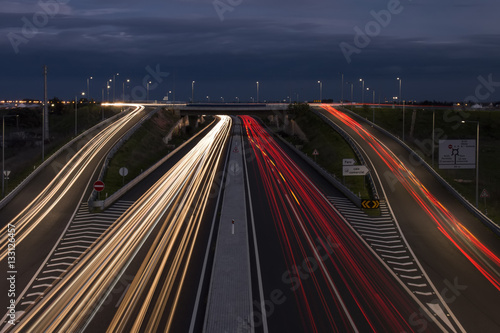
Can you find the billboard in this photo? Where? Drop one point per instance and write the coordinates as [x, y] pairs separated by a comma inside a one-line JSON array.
[[457, 154]]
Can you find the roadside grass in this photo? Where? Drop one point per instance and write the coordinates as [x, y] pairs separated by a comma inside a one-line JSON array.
[[146, 147], [448, 125], [25, 159], [331, 146]]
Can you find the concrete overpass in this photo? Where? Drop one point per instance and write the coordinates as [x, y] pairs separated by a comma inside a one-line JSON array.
[[229, 108]]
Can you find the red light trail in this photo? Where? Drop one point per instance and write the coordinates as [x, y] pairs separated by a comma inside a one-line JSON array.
[[477, 253]]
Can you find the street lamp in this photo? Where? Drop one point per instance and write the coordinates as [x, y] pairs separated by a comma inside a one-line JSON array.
[[320, 91], [76, 113], [192, 92], [352, 90], [399, 79], [123, 89], [114, 85], [147, 93], [257, 91], [88, 87], [477, 158], [208, 98], [342, 90], [4, 173], [362, 90]]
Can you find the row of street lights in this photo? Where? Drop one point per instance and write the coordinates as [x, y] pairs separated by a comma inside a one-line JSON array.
[[222, 98]]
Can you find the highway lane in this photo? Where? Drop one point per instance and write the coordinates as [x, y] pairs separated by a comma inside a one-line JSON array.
[[319, 274], [460, 255], [41, 220], [182, 190]]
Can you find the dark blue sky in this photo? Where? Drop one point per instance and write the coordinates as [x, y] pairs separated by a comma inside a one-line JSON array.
[[440, 48]]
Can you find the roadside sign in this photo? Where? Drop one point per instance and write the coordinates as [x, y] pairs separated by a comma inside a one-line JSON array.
[[6, 173], [98, 186], [348, 161], [315, 152], [354, 170], [370, 204], [485, 194], [123, 171]]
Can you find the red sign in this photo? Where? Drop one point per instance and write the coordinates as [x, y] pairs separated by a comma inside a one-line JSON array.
[[98, 186]]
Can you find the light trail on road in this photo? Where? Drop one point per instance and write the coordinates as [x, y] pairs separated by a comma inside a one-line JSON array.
[[38, 209], [486, 262], [182, 193], [345, 289]]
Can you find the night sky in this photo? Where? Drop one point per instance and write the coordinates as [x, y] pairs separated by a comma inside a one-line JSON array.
[[441, 49]]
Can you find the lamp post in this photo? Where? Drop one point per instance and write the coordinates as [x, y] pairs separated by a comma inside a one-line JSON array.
[[362, 91], [76, 113], [352, 90], [477, 158], [342, 90], [114, 85], [88, 87], [3, 152], [123, 89], [320, 91], [257, 91], [433, 130], [147, 91], [192, 92], [399, 79]]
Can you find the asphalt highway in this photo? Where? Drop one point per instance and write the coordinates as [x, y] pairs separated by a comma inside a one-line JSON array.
[[460, 255]]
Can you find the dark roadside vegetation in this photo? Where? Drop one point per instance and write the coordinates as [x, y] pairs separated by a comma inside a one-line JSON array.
[[23, 133], [449, 126], [319, 136], [147, 146]]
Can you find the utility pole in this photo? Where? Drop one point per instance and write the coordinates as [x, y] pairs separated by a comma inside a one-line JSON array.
[[45, 113]]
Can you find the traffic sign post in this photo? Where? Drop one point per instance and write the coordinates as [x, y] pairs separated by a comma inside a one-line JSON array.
[[354, 170], [315, 153], [98, 187], [485, 194], [123, 172], [370, 204], [348, 161]]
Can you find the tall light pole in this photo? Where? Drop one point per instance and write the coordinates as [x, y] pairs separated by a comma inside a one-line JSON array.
[[114, 85], [123, 89], [433, 130], [320, 91], [192, 91], [88, 87], [352, 90], [362, 91], [147, 91], [477, 158], [45, 113], [3, 152], [257, 91], [399, 79], [342, 90], [76, 113]]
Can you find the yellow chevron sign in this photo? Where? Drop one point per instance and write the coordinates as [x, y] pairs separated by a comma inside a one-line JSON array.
[[370, 204]]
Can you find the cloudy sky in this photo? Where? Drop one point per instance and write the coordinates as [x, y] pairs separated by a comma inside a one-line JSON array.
[[441, 49]]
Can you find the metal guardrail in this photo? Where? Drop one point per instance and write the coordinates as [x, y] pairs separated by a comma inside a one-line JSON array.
[[49, 160], [470, 207], [103, 204], [328, 176], [354, 147]]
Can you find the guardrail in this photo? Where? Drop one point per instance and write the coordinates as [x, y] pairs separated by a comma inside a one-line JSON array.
[[470, 207], [328, 176], [51, 158], [103, 204], [354, 147]]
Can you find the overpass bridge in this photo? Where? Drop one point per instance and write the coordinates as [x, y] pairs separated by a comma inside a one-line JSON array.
[[229, 108]]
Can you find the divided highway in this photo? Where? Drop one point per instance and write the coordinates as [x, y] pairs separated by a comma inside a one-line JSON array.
[[461, 256]]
